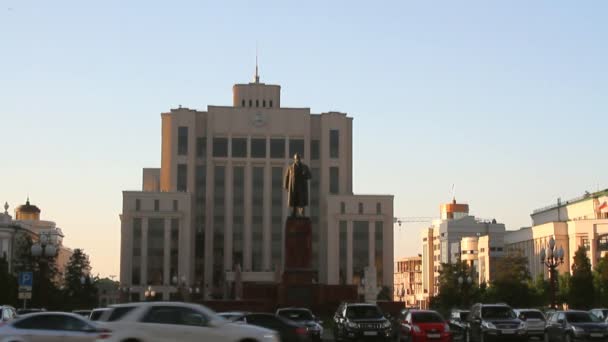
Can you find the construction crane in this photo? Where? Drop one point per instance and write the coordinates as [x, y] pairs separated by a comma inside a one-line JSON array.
[[416, 219]]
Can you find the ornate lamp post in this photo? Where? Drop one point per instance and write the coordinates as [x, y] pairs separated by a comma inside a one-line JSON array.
[[180, 282], [552, 257], [465, 284], [150, 294], [44, 250]]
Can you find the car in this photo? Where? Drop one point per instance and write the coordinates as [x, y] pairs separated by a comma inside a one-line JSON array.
[[458, 323], [566, 326], [600, 313], [289, 331], [176, 321], [96, 313], [83, 313], [7, 313], [353, 321], [535, 321], [306, 318], [234, 316], [21, 312], [52, 326], [424, 325], [488, 322]]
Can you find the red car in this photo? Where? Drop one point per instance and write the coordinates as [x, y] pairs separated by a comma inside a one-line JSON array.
[[424, 325]]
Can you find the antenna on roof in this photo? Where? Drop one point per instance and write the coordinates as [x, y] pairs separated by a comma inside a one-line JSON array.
[[257, 75], [453, 192]]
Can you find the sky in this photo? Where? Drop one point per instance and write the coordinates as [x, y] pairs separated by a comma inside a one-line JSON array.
[[504, 99]]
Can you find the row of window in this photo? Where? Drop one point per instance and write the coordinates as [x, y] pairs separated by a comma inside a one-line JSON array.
[[175, 206], [360, 206], [256, 147], [257, 103]]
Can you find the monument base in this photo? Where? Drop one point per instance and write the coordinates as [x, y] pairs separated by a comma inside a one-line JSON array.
[[298, 243]]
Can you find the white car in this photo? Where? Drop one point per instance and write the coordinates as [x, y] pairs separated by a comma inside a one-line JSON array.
[[52, 327], [170, 321]]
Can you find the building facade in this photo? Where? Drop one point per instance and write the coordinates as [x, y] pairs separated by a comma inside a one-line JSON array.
[[408, 281], [582, 221], [217, 201]]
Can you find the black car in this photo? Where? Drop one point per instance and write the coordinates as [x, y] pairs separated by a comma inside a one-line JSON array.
[[289, 331], [306, 318], [492, 322], [566, 326], [458, 323], [356, 321]]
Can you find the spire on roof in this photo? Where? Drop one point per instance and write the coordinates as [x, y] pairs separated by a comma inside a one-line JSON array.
[[257, 75]]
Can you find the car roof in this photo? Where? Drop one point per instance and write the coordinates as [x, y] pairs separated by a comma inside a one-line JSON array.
[[54, 313], [293, 308]]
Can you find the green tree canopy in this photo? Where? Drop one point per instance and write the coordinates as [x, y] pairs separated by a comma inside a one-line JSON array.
[[581, 294], [79, 287], [511, 281]]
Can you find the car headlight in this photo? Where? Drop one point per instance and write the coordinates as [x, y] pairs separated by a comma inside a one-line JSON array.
[[416, 328], [352, 325], [386, 324], [488, 325], [522, 325], [577, 330]]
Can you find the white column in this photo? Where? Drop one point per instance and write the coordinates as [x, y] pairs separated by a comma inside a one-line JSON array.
[[247, 220], [167, 253], [228, 236], [349, 252], [144, 251], [371, 243]]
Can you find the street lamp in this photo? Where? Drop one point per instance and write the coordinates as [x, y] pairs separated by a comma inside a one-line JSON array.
[[44, 250], [552, 257], [149, 293], [464, 282]]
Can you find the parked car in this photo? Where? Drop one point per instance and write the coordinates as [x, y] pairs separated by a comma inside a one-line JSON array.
[[174, 321], [353, 321], [7, 313], [234, 316], [600, 313], [306, 318], [566, 326], [489, 322], [535, 321], [289, 331], [83, 313], [424, 325], [52, 326], [458, 323], [96, 313], [21, 312]]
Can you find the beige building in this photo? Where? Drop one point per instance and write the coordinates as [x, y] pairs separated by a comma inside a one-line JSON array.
[[217, 200], [581, 221], [442, 243], [408, 281]]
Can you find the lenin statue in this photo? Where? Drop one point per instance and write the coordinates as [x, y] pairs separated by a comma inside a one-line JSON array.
[[296, 184]]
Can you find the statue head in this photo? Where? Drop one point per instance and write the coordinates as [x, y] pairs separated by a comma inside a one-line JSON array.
[[296, 158]]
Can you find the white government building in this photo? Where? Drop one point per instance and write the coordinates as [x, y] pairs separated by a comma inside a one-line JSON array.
[[217, 200]]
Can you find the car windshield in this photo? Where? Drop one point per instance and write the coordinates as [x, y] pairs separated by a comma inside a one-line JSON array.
[[296, 315], [363, 311], [96, 314], [581, 317], [532, 315], [497, 312], [426, 317]]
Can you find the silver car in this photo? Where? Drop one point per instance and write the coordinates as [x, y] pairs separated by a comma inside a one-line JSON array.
[[52, 327], [535, 321]]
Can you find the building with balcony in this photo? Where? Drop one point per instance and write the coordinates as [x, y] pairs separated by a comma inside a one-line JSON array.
[[408, 281]]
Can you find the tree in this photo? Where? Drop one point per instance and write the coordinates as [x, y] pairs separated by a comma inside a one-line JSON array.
[[511, 280], [8, 282], [452, 293], [563, 288], [581, 292], [79, 288], [601, 281]]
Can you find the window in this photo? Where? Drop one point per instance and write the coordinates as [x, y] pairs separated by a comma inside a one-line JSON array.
[[250, 103], [257, 103], [182, 140], [156, 205], [342, 208], [239, 147], [182, 177], [270, 103], [175, 205], [174, 315], [360, 208], [138, 204], [277, 148], [136, 250], [201, 147], [334, 187], [378, 208], [258, 148], [220, 147], [296, 146], [155, 252], [243, 103], [264, 103], [315, 150], [334, 143]]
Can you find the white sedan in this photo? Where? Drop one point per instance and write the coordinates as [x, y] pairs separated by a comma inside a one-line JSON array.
[[169, 321], [52, 327]]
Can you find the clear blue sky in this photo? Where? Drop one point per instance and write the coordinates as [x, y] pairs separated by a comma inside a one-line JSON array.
[[507, 100]]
